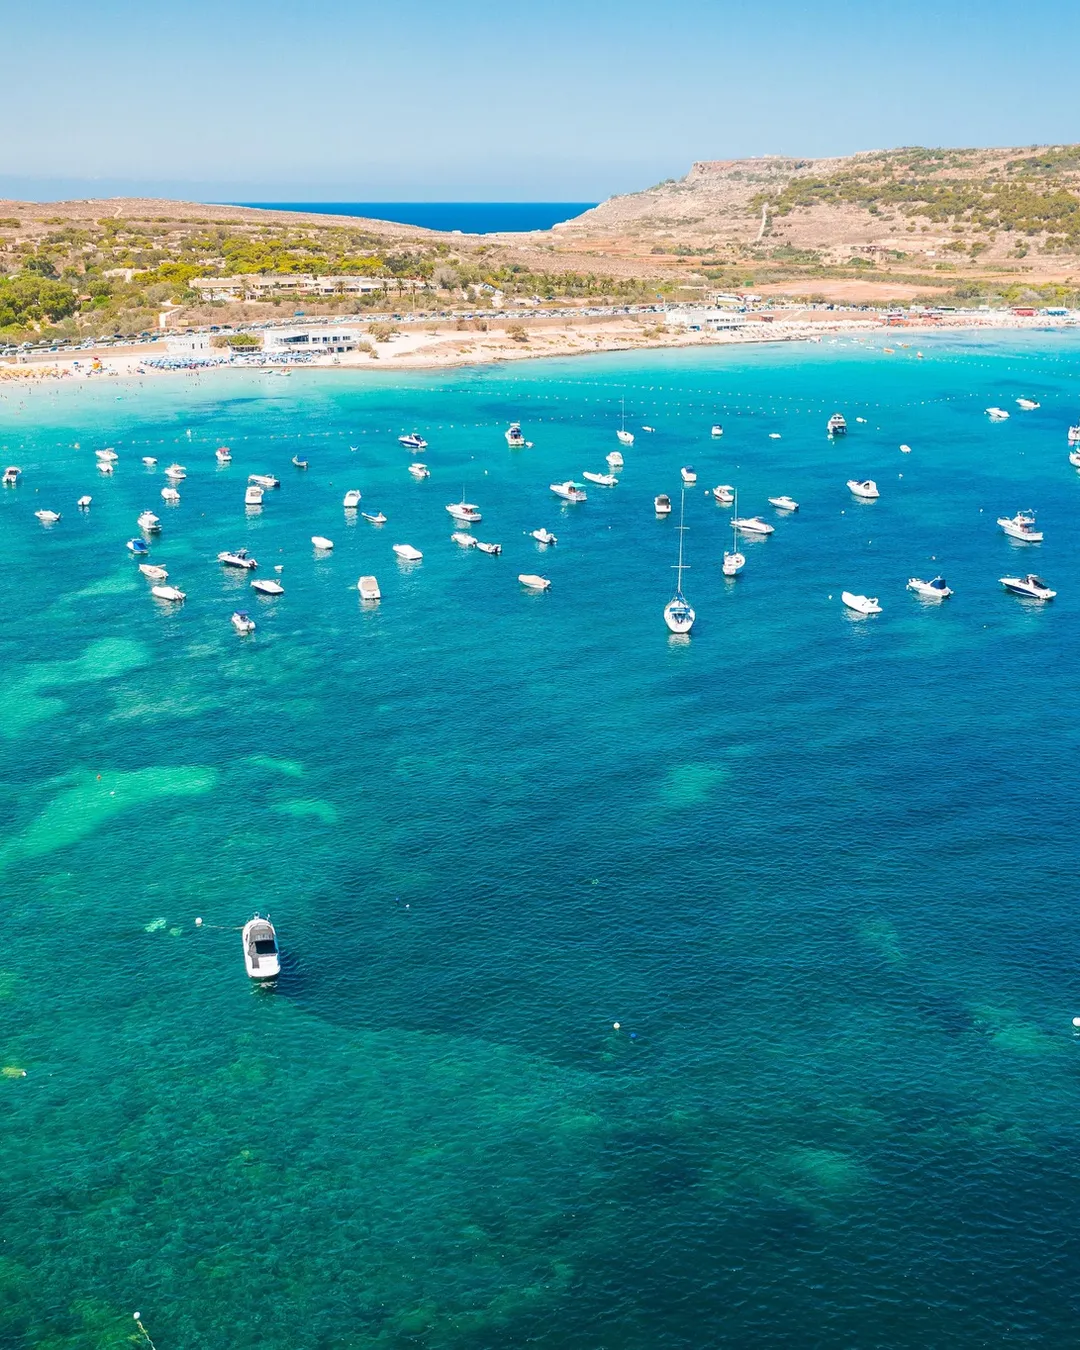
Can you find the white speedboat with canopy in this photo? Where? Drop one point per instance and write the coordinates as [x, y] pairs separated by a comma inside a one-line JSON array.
[[262, 959]]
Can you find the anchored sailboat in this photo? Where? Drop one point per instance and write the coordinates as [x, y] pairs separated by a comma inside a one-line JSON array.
[[678, 613]]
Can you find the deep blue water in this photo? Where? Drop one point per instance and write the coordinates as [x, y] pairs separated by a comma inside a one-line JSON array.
[[468, 217], [822, 870]]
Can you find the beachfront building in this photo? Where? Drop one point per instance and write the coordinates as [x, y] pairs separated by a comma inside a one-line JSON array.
[[310, 341], [704, 320], [260, 286]]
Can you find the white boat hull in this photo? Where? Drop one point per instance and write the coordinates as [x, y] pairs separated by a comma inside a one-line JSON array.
[[861, 604]]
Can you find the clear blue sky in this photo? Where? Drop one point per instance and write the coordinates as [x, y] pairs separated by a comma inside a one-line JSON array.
[[505, 99]]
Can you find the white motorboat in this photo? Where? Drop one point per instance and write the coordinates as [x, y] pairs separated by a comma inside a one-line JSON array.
[[493, 549], [170, 494], [662, 504], [267, 587], [678, 612], [774, 436], [149, 461], [48, 517], [569, 491], [1074, 435], [153, 573], [615, 460], [534, 582], [466, 511], [413, 441], [724, 494], [543, 536], [997, 414], [320, 542], [515, 438], [351, 500], [688, 475], [1074, 458], [407, 553], [262, 959], [650, 430], [263, 480], [176, 472], [223, 455], [298, 463], [84, 503], [837, 425], [242, 621], [905, 449], [11, 476], [784, 503], [861, 604], [109, 455], [1022, 527], [252, 495], [625, 437], [717, 430], [168, 593], [602, 479], [930, 590], [1027, 404], [419, 471], [105, 466], [378, 519], [465, 540], [147, 521], [864, 488], [369, 588], [240, 558], [753, 525], [1030, 587]]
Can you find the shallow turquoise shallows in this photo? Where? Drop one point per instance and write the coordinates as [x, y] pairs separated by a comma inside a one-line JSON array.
[[820, 869]]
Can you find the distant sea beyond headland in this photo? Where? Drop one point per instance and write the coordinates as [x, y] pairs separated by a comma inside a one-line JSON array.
[[469, 217]]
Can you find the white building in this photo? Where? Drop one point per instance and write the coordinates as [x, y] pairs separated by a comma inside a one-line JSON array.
[[704, 320], [312, 341], [255, 287]]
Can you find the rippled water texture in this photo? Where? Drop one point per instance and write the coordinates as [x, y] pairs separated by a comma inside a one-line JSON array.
[[821, 870]]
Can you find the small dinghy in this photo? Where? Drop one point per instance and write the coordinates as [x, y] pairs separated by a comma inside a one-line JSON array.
[[543, 536], [861, 604], [239, 558], [84, 503], [465, 540], [149, 461], [223, 454], [602, 479], [177, 472], [493, 549], [378, 519], [168, 593], [351, 500], [48, 517], [905, 449], [138, 546], [320, 542], [937, 589], [419, 471], [147, 521], [724, 494], [369, 588], [413, 441], [11, 476], [265, 587], [261, 957], [533, 582], [299, 463], [407, 553], [263, 480], [717, 430], [865, 488], [153, 573], [649, 429], [170, 494], [253, 495], [784, 503], [242, 622]]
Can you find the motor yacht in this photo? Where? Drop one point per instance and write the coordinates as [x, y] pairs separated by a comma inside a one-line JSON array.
[[261, 957], [753, 525], [378, 519], [1027, 404], [298, 462], [369, 588], [837, 425], [688, 475], [413, 441], [1022, 527], [469, 512], [47, 517], [662, 504], [784, 503], [168, 593], [465, 540], [861, 604], [569, 491], [264, 480], [11, 476], [138, 546], [320, 542], [84, 503], [724, 494], [407, 553], [253, 495], [515, 438], [717, 430], [997, 414], [242, 621], [543, 536], [615, 460], [419, 471], [223, 454], [534, 582], [147, 521], [240, 558], [352, 499], [176, 472], [601, 479], [930, 590], [170, 494], [866, 488], [154, 573], [267, 587], [149, 461], [1031, 587], [679, 614], [493, 549]]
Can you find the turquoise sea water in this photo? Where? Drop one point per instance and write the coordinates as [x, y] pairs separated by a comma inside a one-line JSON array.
[[821, 870], [468, 217]]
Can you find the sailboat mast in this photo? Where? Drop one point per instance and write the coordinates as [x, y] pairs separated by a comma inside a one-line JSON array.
[[682, 527]]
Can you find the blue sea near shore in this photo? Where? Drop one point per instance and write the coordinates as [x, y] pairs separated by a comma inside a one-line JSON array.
[[468, 217], [820, 869]]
